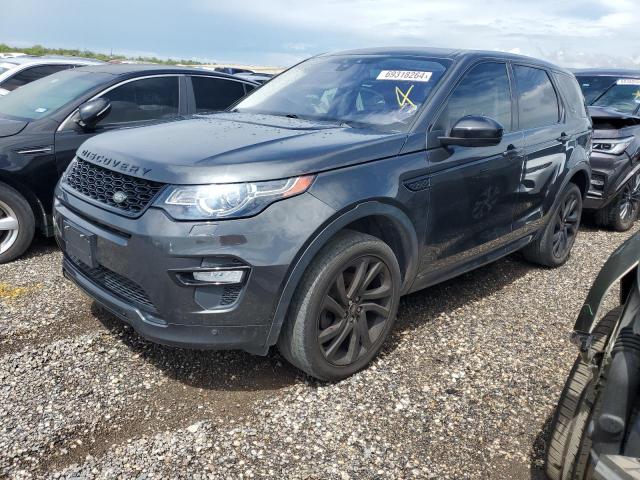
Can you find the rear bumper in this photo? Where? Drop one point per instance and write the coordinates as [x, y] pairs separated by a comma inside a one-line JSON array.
[[139, 265]]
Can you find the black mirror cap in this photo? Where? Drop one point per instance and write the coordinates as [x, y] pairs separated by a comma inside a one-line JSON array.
[[474, 131], [91, 112]]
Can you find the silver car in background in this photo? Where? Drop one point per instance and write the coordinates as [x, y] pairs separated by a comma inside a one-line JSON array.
[[18, 71]]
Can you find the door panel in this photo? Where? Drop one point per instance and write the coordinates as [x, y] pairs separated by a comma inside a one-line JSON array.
[[547, 146], [472, 188], [471, 202]]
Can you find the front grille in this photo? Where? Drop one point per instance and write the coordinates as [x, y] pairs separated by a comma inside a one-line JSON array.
[[121, 286], [101, 185]]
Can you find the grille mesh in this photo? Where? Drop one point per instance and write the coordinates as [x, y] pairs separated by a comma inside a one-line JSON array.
[[100, 184], [230, 294], [116, 284]]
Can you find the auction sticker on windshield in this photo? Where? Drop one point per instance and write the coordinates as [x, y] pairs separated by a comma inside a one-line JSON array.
[[408, 75], [628, 81]]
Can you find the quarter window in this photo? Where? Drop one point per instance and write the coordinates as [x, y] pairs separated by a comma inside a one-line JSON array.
[[213, 94], [483, 91], [537, 99], [573, 99], [144, 100]]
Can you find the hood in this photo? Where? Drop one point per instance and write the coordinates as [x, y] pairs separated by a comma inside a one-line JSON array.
[[11, 127], [237, 147], [607, 119]]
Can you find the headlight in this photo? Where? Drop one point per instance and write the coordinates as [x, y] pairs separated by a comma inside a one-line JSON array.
[[228, 200], [614, 146]]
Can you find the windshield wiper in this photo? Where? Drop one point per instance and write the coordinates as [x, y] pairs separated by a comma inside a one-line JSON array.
[[291, 115]]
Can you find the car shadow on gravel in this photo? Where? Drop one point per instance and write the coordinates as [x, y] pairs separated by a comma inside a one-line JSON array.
[[205, 369], [41, 246], [426, 305]]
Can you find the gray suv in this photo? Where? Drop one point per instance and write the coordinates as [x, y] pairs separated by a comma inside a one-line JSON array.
[[300, 216]]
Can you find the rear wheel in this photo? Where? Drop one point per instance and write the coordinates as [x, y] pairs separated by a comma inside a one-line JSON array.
[[553, 246], [568, 448], [622, 213], [344, 307], [17, 224]]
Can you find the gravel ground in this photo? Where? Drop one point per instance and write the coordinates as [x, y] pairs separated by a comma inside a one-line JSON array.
[[464, 388]]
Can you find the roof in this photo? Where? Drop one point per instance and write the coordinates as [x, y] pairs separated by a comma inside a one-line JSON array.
[[453, 54], [124, 69], [607, 72]]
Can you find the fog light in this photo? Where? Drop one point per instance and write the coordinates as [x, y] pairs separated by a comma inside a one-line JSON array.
[[219, 276]]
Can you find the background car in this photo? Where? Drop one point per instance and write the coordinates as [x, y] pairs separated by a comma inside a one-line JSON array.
[[43, 123], [614, 194], [18, 71], [256, 76]]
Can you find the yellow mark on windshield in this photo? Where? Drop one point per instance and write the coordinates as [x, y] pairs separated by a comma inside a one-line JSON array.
[[637, 95], [403, 98]]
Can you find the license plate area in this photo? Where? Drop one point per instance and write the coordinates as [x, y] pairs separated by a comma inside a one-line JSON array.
[[80, 243]]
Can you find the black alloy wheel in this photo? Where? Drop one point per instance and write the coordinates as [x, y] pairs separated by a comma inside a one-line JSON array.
[[566, 225], [355, 310], [629, 201]]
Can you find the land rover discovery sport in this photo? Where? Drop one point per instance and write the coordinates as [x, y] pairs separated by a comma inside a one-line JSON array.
[[300, 216]]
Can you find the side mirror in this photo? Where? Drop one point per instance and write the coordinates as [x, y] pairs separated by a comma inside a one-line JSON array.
[[91, 112], [474, 131]]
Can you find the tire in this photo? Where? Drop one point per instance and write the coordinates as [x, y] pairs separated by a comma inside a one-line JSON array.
[[17, 224], [335, 306], [621, 214], [568, 447], [552, 247]]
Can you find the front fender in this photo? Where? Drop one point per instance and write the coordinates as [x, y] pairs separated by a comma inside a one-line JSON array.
[[326, 233], [622, 265]]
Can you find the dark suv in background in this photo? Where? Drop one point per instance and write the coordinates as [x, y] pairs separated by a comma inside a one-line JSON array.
[[42, 124], [614, 98], [302, 215]]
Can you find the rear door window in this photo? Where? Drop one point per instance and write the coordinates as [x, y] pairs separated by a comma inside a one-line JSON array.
[[142, 100], [213, 94], [28, 75], [484, 90], [537, 100]]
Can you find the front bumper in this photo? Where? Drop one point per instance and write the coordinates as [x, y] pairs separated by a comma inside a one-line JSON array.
[[137, 263], [609, 173]]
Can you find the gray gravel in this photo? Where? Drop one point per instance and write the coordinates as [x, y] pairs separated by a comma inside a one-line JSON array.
[[464, 388]]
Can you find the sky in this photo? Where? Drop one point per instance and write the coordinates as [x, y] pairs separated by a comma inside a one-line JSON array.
[[578, 33]]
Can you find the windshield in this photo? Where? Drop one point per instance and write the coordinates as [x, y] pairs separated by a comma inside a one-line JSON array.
[[43, 97], [624, 96], [593, 86], [372, 90]]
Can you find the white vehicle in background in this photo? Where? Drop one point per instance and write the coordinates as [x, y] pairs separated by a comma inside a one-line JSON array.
[[12, 54], [20, 70]]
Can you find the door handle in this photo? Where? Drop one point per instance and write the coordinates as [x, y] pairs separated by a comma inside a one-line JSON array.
[[511, 151], [564, 138]]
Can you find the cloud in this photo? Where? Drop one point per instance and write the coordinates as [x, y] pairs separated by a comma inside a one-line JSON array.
[[586, 31]]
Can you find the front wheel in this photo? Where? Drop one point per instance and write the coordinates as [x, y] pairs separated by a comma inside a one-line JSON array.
[[344, 307], [553, 246], [622, 213], [17, 224]]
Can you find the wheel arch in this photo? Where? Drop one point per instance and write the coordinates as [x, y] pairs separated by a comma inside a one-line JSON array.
[[582, 179], [34, 202], [379, 219]]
